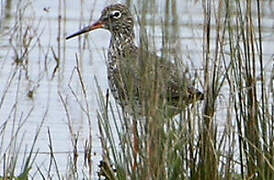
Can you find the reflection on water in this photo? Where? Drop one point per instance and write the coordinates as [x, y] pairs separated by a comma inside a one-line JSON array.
[[32, 94]]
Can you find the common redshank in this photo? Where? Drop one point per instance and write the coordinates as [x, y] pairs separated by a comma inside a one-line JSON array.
[[133, 71]]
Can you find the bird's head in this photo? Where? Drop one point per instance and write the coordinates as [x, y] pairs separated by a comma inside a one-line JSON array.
[[115, 18]]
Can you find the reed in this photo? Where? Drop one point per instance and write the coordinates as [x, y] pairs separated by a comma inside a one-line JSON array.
[[194, 145], [228, 135]]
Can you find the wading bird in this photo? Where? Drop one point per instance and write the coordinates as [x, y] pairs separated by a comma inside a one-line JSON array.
[[135, 74]]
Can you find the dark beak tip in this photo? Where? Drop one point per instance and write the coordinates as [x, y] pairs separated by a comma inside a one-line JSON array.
[[96, 25], [68, 37]]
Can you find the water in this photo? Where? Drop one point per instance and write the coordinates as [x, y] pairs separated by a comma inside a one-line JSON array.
[[74, 118]]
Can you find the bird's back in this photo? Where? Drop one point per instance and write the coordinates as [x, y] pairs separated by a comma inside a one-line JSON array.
[[141, 78]]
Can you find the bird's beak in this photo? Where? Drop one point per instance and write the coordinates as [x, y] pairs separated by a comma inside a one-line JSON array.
[[96, 25]]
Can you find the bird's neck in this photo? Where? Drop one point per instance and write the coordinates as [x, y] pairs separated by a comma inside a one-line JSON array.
[[120, 42], [121, 45]]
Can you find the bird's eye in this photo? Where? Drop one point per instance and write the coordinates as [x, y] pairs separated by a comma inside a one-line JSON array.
[[116, 14]]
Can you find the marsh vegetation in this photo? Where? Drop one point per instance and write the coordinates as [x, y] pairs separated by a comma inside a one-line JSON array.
[[59, 121]]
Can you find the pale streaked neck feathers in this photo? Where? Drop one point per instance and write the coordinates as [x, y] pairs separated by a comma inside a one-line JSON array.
[[120, 42]]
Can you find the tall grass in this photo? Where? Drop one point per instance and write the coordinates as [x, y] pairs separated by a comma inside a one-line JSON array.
[[23, 36], [252, 99], [228, 135], [194, 145]]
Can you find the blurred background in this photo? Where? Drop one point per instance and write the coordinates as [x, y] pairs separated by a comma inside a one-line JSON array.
[[49, 97]]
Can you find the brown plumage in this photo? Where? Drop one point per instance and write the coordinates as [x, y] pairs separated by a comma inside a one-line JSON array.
[[136, 75]]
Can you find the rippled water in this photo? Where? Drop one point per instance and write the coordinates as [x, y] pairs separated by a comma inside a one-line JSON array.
[[32, 93]]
